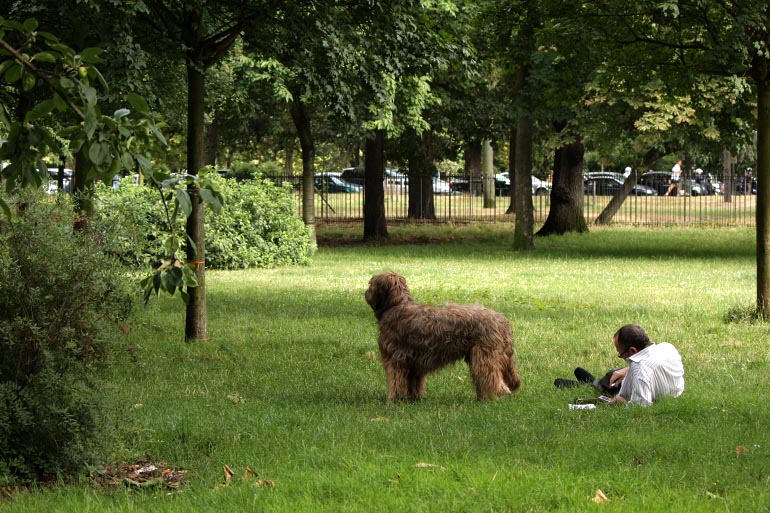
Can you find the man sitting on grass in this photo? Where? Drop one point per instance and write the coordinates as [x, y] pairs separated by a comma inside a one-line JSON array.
[[653, 371]]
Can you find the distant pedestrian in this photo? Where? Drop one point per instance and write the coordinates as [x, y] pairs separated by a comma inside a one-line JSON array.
[[676, 177]]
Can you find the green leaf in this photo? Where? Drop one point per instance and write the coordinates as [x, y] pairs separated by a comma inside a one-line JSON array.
[[91, 55], [7, 211], [138, 103], [89, 123], [13, 73], [184, 201], [38, 111], [121, 113], [61, 105], [211, 198], [127, 161], [98, 152], [43, 57], [30, 24]]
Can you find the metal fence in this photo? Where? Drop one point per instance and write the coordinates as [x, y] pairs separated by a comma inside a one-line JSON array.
[[718, 210]]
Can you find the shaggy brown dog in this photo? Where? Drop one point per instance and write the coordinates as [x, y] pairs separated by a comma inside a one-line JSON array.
[[416, 339]]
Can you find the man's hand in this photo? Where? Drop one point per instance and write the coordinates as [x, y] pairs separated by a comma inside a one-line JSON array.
[[618, 376]]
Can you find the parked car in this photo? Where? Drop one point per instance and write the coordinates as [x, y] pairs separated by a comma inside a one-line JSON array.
[[606, 184], [660, 181], [540, 187], [354, 175], [332, 182], [745, 185], [463, 184]]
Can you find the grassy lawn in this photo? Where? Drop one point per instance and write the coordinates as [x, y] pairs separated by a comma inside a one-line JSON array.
[[290, 384]]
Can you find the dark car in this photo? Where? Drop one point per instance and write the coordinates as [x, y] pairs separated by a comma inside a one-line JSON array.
[[354, 175], [331, 182], [661, 180], [465, 184], [599, 184]]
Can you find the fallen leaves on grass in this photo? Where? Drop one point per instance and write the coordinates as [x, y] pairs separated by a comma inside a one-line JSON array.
[[600, 497], [379, 419], [140, 475], [741, 450], [249, 476]]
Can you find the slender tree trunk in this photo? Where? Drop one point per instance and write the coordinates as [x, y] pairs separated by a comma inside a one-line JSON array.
[[375, 224], [488, 173], [196, 325], [211, 143], [522, 191], [619, 198], [727, 176], [512, 170], [82, 185], [763, 192], [302, 124], [566, 213]]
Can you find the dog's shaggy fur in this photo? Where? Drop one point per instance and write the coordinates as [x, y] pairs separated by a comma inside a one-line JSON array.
[[417, 339]]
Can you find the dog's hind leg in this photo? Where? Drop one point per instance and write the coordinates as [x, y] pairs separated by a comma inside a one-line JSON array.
[[416, 385], [485, 374]]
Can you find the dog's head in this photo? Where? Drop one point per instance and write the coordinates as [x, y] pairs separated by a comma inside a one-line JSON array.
[[385, 291]]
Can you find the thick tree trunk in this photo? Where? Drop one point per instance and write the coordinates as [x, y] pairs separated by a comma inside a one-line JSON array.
[[566, 213], [211, 144], [473, 166], [763, 193], [196, 325], [82, 186], [375, 224], [488, 173], [422, 170], [302, 124], [521, 182]]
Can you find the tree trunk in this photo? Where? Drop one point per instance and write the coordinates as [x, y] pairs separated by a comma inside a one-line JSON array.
[[727, 175], [620, 197], [302, 124], [211, 143], [566, 213], [521, 182], [82, 185], [473, 166], [375, 224], [196, 325], [512, 170], [763, 193], [488, 173], [422, 170]]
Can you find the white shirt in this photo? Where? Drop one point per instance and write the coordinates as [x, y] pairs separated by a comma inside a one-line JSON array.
[[676, 171], [654, 372]]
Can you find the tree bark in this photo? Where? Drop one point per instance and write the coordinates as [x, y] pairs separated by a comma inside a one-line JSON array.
[[566, 213], [375, 224], [473, 166], [763, 191], [512, 169], [422, 170], [211, 143], [196, 324], [304, 132], [488, 173], [521, 182]]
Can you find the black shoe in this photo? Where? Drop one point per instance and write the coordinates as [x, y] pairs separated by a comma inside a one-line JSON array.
[[584, 376], [565, 383]]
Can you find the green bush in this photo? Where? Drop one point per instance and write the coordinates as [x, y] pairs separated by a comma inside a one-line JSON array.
[[60, 300], [258, 227]]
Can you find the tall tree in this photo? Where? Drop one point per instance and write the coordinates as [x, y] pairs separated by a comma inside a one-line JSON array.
[[204, 32], [716, 38]]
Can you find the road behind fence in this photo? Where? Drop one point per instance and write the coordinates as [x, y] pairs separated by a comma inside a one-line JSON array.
[[716, 210]]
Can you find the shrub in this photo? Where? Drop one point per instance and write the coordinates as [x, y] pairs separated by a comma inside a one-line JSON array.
[[258, 227], [60, 299]]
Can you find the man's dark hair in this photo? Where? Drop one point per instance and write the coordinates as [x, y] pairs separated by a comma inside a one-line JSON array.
[[632, 335]]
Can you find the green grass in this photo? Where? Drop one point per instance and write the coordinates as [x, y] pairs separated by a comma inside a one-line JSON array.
[[290, 384]]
